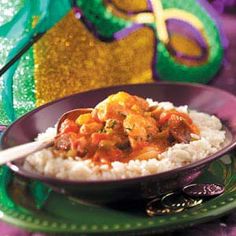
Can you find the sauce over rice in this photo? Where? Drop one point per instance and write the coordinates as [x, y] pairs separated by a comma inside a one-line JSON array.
[[121, 128]]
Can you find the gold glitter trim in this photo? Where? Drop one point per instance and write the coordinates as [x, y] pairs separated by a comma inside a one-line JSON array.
[[69, 59], [130, 5], [185, 45]]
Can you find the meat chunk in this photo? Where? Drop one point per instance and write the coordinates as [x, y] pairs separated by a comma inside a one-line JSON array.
[[179, 129], [65, 141]]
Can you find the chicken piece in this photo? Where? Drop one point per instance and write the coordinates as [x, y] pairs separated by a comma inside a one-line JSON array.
[[139, 128], [118, 106]]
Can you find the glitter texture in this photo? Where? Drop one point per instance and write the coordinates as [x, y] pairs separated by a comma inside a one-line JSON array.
[[5, 46], [73, 60], [23, 88], [8, 10]]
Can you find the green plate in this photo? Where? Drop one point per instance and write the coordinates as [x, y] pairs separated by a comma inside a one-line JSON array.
[[33, 206]]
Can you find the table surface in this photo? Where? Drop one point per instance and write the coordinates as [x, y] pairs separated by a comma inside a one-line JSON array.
[[226, 79]]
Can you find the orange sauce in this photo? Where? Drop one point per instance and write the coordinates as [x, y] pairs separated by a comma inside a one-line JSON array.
[[123, 127]]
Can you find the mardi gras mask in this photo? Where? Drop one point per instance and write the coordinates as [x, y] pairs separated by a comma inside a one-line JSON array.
[[187, 42], [99, 43]]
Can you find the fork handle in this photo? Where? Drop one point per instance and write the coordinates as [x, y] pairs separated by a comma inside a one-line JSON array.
[[23, 150]]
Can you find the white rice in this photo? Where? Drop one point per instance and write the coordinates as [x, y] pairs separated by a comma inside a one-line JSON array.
[[211, 140]]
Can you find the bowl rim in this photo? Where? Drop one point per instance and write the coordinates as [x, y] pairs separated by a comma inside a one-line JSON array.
[[203, 162]]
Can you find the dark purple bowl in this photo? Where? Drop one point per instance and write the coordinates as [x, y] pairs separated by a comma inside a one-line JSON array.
[[199, 97]]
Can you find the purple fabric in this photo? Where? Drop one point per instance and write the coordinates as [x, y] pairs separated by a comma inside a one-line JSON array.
[[226, 79], [220, 5]]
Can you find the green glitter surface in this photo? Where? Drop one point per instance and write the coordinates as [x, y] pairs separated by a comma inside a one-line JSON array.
[[23, 88], [8, 10], [17, 84]]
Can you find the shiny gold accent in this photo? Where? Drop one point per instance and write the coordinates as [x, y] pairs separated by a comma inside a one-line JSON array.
[[179, 45], [156, 208], [130, 5], [70, 59], [186, 46], [35, 21], [177, 201]]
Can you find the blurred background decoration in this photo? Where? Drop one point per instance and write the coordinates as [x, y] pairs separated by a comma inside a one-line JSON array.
[[72, 46], [224, 5]]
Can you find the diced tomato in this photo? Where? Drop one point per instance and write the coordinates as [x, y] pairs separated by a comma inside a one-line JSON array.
[[66, 141], [141, 145], [165, 116], [184, 116], [156, 112], [69, 126], [97, 137], [82, 146], [116, 154]]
